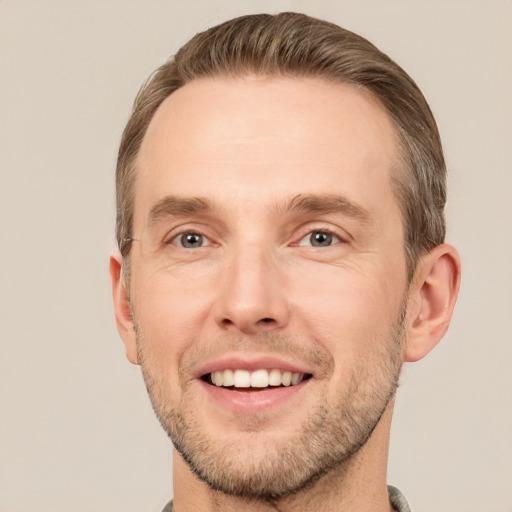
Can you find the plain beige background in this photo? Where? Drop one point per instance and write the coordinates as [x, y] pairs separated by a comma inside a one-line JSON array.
[[76, 428]]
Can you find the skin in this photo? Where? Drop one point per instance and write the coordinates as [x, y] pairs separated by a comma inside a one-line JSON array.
[[252, 148]]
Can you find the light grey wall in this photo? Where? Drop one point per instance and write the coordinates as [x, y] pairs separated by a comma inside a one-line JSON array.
[[76, 429]]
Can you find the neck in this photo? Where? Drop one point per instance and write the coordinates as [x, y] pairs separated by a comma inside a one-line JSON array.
[[358, 485]]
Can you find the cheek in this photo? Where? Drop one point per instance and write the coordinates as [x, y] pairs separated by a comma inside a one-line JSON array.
[[348, 309], [170, 313], [354, 318]]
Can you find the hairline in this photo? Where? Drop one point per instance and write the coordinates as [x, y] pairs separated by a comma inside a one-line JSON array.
[[397, 173]]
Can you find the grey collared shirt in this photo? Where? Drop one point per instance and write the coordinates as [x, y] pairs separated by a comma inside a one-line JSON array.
[[396, 498]]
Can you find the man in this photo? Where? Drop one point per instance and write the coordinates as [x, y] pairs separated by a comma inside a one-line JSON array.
[[280, 194]]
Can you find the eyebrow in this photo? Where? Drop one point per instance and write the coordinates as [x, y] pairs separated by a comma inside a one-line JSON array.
[[326, 204], [173, 206]]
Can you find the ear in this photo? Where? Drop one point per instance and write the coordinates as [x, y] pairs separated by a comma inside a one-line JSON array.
[[122, 309], [432, 298]]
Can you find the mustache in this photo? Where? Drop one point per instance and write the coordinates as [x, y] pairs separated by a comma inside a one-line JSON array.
[[273, 344], [270, 343]]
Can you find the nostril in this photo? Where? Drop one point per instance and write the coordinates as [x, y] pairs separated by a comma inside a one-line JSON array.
[[246, 325]]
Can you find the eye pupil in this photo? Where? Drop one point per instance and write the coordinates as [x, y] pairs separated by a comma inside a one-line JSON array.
[[321, 239], [191, 240]]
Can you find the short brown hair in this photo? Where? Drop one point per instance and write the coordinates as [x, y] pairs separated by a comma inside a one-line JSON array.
[[292, 44]]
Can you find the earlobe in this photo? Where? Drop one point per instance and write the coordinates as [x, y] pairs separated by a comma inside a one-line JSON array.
[[122, 309], [431, 301]]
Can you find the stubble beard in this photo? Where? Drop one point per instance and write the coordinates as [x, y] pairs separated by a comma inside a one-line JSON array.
[[327, 439]]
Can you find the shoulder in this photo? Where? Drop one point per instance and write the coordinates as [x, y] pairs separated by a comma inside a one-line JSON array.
[[168, 507], [397, 500]]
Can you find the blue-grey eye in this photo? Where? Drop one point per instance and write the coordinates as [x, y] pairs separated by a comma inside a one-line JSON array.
[[320, 238], [190, 240]]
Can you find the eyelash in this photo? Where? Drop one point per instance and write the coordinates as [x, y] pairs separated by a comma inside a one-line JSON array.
[[177, 239], [180, 236], [337, 239]]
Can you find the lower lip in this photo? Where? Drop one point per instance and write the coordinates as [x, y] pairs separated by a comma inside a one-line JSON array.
[[254, 401]]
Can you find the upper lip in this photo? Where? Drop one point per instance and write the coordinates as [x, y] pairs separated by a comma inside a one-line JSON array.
[[251, 363]]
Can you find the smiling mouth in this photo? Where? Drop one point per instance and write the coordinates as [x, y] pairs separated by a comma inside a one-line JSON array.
[[255, 380]]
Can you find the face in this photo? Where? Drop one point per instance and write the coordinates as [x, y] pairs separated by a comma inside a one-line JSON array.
[[268, 277]]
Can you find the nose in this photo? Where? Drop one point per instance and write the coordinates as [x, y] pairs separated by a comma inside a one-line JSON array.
[[251, 296]]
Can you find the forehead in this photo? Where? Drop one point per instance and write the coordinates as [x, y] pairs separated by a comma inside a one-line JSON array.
[[265, 136]]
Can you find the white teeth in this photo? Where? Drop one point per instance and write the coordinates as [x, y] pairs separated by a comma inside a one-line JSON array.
[[242, 379], [228, 378], [274, 378], [257, 379], [296, 378]]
